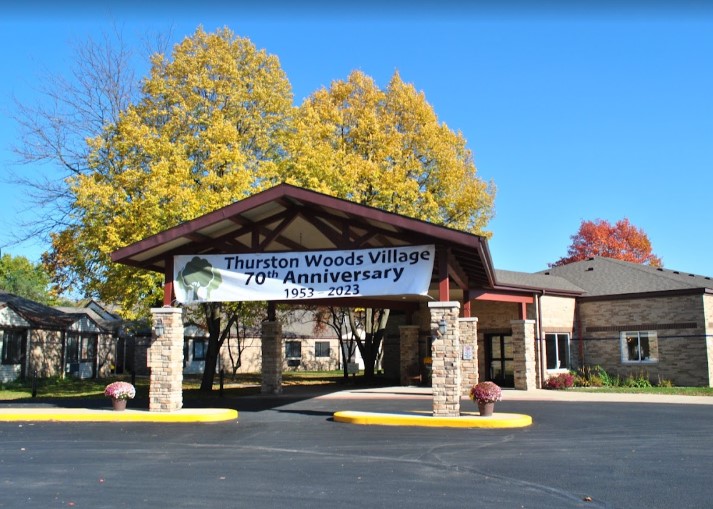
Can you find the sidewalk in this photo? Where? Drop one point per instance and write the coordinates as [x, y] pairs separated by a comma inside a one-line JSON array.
[[533, 395]]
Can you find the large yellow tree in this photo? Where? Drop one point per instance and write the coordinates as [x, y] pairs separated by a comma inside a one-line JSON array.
[[207, 131], [387, 149]]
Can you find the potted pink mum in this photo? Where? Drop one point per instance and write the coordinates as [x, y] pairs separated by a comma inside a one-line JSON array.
[[119, 392], [485, 394]]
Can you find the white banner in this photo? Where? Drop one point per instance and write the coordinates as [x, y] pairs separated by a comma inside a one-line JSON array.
[[303, 275]]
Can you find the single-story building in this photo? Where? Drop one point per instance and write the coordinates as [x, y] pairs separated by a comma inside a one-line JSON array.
[[630, 319], [38, 340]]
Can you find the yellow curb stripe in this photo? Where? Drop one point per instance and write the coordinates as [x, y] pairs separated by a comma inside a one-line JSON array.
[[82, 415], [497, 420]]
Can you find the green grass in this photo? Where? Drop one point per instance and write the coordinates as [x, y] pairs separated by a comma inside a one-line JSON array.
[[676, 391]]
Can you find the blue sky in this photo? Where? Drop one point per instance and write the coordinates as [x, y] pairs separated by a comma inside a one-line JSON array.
[[574, 113]]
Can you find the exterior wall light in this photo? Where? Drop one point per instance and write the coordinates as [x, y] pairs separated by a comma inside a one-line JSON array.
[[158, 328], [442, 326]]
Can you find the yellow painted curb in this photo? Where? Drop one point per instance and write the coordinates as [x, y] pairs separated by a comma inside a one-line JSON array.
[[466, 420], [84, 415]]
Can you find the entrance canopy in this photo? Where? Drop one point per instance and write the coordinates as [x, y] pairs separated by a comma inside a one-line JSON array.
[[287, 219]]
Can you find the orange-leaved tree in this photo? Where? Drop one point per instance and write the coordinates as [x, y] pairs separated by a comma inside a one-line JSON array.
[[622, 241]]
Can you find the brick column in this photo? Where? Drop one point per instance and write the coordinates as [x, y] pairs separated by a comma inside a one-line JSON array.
[[469, 356], [271, 358], [408, 348], [165, 360], [446, 355], [524, 364]]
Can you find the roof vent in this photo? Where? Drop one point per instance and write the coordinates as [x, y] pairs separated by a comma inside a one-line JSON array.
[[589, 269], [547, 273], [676, 272]]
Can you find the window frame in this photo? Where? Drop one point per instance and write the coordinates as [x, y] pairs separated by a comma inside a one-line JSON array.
[[203, 348], [289, 351], [558, 336], [651, 347], [15, 339], [80, 347], [319, 347]]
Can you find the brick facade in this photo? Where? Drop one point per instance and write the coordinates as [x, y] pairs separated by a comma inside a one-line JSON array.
[[469, 353], [165, 360], [682, 348], [272, 355], [446, 349]]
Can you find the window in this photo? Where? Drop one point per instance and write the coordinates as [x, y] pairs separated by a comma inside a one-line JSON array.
[[12, 346], [639, 346], [321, 349], [557, 351], [80, 348], [293, 349], [199, 349]]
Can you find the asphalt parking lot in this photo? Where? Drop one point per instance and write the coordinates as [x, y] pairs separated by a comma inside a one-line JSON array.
[[286, 451]]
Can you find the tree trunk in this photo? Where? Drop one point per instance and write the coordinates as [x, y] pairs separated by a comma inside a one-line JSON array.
[[212, 314]]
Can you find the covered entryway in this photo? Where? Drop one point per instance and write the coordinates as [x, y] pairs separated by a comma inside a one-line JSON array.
[[286, 219]]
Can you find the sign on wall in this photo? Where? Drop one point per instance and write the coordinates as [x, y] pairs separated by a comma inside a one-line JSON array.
[[303, 275]]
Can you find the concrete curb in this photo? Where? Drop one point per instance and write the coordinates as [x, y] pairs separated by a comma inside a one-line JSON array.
[[86, 415], [465, 420]]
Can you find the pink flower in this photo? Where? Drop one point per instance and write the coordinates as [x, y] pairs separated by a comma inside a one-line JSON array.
[[486, 392], [120, 390]]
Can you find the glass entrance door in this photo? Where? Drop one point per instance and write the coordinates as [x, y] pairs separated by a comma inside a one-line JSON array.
[[499, 358]]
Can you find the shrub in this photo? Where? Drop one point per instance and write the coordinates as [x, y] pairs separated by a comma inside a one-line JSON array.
[[607, 379], [561, 381], [664, 382], [639, 380]]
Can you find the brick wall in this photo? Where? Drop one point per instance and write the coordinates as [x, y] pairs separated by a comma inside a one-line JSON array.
[[681, 335]]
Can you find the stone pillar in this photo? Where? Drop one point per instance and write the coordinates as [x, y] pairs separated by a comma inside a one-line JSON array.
[[446, 354], [271, 358], [524, 363], [165, 360], [469, 357], [408, 348]]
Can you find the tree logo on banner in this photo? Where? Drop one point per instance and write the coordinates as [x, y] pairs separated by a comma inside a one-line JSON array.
[[198, 278]]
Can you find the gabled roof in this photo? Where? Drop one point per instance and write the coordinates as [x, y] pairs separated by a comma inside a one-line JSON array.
[[289, 218], [599, 276], [111, 325], [38, 315]]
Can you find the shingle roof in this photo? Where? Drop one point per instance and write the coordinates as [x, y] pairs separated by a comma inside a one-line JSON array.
[[600, 276], [78, 312], [39, 315], [538, 281]]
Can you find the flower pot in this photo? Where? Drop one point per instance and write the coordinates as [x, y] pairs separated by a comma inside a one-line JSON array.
[[119, 405], [486, 408]]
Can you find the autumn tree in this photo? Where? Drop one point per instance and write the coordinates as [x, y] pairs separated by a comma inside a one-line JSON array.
[[205, 133], [386, 148], [622, 241]]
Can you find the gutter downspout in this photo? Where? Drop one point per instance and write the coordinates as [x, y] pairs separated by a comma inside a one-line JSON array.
[[538, 314], [578, 331]]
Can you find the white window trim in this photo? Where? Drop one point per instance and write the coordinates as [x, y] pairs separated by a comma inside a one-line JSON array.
[[558, 369], [652, 336]]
